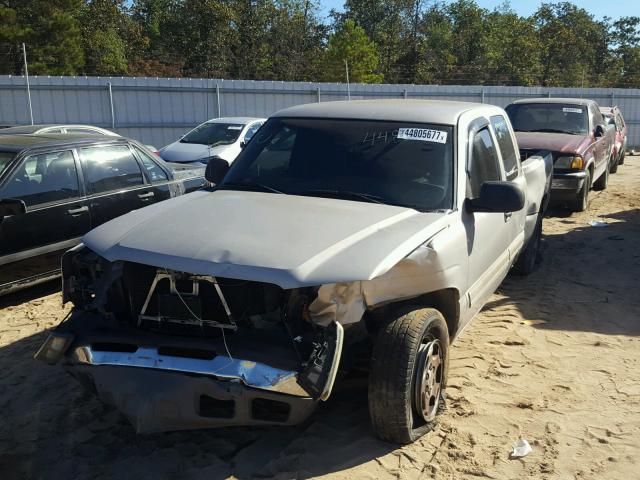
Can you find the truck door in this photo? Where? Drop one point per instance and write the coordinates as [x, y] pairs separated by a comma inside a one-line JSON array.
[[32, 243], [601, 147], [510, 156], [488, 234]]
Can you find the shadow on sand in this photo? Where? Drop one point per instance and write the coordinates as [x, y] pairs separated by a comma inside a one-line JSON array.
[[588, 279], [53, 428]]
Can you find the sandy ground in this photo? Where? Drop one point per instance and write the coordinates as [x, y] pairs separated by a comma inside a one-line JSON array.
[[554, 359]]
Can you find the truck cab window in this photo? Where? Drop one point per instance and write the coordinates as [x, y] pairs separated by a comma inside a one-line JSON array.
[[507, 148], [44, 178], [483, 164]]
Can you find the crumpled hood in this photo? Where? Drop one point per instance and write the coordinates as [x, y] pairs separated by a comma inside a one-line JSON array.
[[554, 142], [189, 152], [290, 241]]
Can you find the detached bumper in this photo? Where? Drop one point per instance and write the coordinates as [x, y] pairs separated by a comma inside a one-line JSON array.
[[567, 183], [163, 383], [158, 401]]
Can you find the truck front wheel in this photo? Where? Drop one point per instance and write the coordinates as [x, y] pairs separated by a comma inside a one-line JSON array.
[[613, 168], [582, 199], [408, 375], [603, 180]]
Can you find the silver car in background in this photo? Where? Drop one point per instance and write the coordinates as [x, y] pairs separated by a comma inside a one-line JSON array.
[[219, 137], [57, 128]]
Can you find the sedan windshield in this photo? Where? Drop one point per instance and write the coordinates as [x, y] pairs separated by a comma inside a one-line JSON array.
[[549, 117], [214, 134], [5, 160], [404, 164]]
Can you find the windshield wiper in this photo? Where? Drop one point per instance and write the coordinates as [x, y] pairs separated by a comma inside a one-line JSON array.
[[251, 186], [220, 142], [344, 194]]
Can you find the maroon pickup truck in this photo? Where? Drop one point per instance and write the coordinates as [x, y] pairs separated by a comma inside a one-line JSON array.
[[577, 135]]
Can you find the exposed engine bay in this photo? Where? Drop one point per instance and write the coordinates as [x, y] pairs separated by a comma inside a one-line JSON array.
[[249, 350]]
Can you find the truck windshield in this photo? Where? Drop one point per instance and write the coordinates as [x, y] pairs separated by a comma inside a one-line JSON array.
[[214, 134], [549, 117], [395, 163], [5, 160]]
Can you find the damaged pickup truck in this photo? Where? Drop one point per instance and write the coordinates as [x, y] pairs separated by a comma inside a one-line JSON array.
[[343, 227]]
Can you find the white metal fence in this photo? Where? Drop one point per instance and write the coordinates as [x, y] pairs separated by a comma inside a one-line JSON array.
[[158, 110]]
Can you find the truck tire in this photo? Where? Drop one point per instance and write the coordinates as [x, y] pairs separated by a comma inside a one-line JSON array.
[[603, 181], [581, 202], [622, 155], [613, 168], [408, 375], [528, 258]]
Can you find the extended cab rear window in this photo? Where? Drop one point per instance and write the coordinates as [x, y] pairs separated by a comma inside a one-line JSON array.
[[397, 163]]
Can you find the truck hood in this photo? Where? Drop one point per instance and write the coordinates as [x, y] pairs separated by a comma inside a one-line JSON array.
[[290, 241], [189, 152], [554, 142]]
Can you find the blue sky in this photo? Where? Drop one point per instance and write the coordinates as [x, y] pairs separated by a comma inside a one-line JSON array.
[[598, 8]]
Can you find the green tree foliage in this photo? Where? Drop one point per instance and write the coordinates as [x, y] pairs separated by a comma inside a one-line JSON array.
[[383, 23], [625, 37], [395, 41], [571, 45], [512, 48], [52, 33], [350, 44], [104, 34], [12, 34]]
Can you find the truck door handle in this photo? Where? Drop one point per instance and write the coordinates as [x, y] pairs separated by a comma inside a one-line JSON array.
[[145, 196], [74, 212], [507, 216]]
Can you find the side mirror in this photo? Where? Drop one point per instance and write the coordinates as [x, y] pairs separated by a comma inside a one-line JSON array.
[[217, 168], [12, 206], [243, 144], [599, 130], [498, 197]]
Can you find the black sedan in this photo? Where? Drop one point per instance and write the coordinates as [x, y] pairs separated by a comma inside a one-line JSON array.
[[55, 188]]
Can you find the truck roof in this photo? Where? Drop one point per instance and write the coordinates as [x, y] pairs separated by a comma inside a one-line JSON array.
[[424, 111], [572, 101]]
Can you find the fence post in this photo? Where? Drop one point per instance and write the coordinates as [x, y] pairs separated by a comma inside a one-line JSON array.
[[218, 99], [404, 94], [318, 92], [113, 115], [26, 76], [613, 99], [548, 94], [482, 96]]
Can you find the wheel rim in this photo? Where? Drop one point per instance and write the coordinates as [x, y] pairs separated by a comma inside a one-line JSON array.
[[428, 381]]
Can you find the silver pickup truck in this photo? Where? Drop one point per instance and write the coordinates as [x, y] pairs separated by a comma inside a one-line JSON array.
[[343, 227]]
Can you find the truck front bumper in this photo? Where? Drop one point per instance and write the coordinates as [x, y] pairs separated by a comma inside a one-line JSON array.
[[567, 184], [163, 383], [158, 401]]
